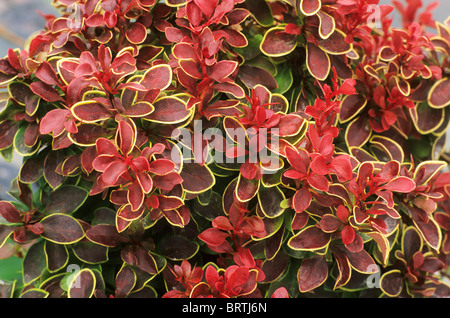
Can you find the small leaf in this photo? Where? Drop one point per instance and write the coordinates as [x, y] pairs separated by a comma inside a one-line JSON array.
[[358, 132], [66, 199], [177, 248], [90, 111], [246, 189], [9, 212], [57, 256], [392, 283], [82, 284], [270, 201], [252, 76], [157, 77], [317, 62], [309, 7], [62, 229], [277, 42], [301, 200], [169, 110], [125, 281], [34, 262], [261, 11], [197, 178], [309, 239], [335, 43], [105, 234], [351, 105], [400, 184], [5, 232], [438, 96], [312, 273]]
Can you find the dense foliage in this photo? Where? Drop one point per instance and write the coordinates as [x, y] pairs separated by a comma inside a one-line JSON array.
[[228, 148]]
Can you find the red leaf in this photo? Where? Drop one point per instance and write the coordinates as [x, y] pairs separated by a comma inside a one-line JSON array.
[[139, 109], [213, 237], [135, 196], [309, 7], [351, 105], [327, 24], [329, 223], [46, 91], [234, 37], [290, 125], [62, 228], [207, 6], [293, 28], [318, 182], [106, 147], [347, 234], [317, 61], [223, 223], [113, 172], [169, 110], [252, 76], [231, 88], [222, 70], [9, 212], [47, 74], [169, 203], [319, 165], [193, 13], [136, 33], [279, 41], [125, 138], [400, 184], [127, 213], [299, 160], [392, 283], [248, 170], [52, 120], [246, 189], [342, 213], [358, 132], [190, 68], [168, 181], [157, 77], [342, 166], [161, 166], [301, 200], [197, 178], [184, 51], [310, 238], [90, 111], [95, 20]]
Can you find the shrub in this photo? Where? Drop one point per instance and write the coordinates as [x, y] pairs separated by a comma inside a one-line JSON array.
[[232, 148]]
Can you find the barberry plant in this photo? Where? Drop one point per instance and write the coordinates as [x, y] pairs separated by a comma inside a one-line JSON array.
[[228, 148]]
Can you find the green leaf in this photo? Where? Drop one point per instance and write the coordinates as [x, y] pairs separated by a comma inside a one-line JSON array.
[[284, 79], [11, 269]]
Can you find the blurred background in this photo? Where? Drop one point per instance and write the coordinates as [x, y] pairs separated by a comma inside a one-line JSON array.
[[19, 19]]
